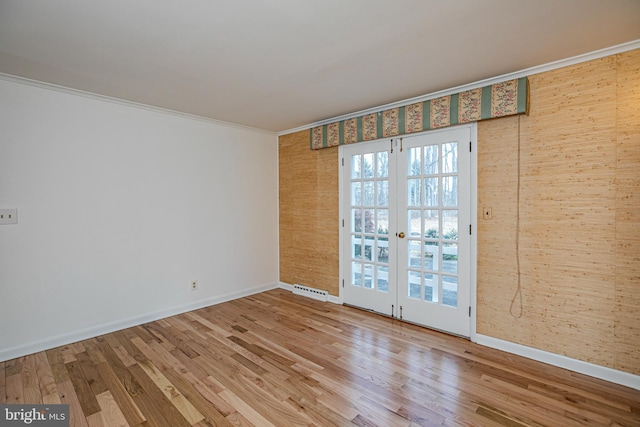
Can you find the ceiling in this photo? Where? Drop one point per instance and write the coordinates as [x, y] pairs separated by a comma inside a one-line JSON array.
[[282, 64]]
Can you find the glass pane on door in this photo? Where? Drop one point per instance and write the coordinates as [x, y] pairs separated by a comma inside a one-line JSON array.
[[369, 184], [432, 222]]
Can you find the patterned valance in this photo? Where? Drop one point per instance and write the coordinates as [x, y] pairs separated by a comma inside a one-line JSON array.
[[498, 100]]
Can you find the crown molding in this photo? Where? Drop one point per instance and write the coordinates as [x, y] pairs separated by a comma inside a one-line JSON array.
[[613, 50], [104, 98]]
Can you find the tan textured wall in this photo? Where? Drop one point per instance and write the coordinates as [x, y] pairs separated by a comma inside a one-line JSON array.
[[308, 213], [579, 215], [627, 249]]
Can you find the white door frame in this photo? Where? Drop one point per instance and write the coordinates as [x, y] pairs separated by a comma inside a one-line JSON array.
[[473, 127]]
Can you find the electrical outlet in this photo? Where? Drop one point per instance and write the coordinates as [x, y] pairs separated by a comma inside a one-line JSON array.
[[486, 212], [8, 216], [194, 285]]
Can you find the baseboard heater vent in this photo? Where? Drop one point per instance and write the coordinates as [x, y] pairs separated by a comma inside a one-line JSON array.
[[311, 292]]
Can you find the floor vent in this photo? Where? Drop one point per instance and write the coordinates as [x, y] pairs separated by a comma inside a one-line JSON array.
[[311, 293]]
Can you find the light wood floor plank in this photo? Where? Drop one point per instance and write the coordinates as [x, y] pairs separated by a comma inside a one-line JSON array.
[[14, 389], [97, 420], [245, 409], [178, 400], [68, 395], [278, 359], [213, 408], [3, 382], [84, 393], [238, 420], [110, 410], [56, 362], [120, 395], [68, 355], [47, 384], [30, 382]]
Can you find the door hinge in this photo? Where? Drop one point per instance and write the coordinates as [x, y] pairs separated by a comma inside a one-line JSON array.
[[469, 228], [343, 161], [343, 222], [469, 146], [343, 285], [469, 310]]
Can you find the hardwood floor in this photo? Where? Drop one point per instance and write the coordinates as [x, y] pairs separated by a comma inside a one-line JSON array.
[[284, 360]]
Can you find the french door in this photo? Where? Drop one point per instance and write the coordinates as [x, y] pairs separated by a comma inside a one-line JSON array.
[[406, 235]]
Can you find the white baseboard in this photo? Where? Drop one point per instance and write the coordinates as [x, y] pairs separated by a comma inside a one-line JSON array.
[[586, 368], [335, 300], [332, 299], [285, 286], [105, 328]]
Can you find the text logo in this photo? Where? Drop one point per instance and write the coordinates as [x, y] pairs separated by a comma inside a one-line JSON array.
[[34, 415]]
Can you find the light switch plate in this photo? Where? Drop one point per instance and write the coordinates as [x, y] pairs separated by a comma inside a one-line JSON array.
[[8, 216]]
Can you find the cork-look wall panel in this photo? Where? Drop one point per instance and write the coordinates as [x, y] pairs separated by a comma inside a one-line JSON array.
[[627, 249], [578, 244], [308, 213], [497, 268], [579, 215]]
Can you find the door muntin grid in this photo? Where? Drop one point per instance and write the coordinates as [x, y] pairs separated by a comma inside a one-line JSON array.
[[369, 220], [433, 223]]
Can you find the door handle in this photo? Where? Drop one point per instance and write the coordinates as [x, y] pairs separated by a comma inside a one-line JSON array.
[[401, 235]]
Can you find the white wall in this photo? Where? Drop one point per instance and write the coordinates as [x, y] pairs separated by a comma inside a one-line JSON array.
[[119, 208]]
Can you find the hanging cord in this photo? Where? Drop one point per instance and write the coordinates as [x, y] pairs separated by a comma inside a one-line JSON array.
[[518, 294]]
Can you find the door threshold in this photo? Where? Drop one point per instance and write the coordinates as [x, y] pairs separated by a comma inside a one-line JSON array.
[[388, 316]]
